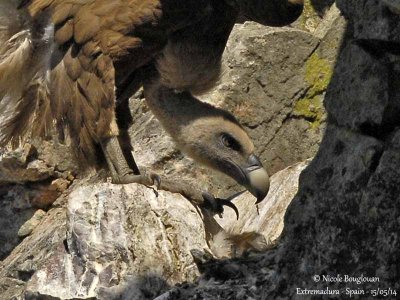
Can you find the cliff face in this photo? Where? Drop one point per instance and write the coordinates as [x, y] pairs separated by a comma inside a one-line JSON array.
[[344, 220], [65, 236]]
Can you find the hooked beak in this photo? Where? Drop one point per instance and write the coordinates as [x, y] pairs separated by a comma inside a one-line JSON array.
[[257, 178], [252, 176]]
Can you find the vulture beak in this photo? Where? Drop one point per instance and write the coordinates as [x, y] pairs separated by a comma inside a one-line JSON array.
[[257, 179], [251, 175]]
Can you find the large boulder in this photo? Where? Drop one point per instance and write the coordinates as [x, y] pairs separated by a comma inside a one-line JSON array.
[[65, 238], [341, 235], [105, 241], [102, 239], [267, 217], [274, 82]]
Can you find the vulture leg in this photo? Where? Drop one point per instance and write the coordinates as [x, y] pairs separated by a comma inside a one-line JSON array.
[[198, 198], [120, 170], [122, 173]]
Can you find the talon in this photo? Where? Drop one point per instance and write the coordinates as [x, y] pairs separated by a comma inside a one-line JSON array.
[[216, 205], [156, 180], [229, 204], [210, 202]]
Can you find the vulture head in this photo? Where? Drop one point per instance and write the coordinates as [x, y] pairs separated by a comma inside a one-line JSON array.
[[220, 142], [269, 12], [209, 135]]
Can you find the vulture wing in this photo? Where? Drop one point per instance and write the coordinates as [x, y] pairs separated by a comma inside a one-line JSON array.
[[71, 80]]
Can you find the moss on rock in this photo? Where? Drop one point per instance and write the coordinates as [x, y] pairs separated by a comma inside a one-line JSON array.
[[318, 73], [310, 109]]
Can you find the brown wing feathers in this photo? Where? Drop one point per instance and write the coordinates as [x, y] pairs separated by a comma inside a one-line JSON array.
[[77, 88]]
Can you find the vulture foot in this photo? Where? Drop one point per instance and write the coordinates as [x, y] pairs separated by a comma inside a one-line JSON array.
[[216, 205], [203, 200], [122, 173], [145, 179]]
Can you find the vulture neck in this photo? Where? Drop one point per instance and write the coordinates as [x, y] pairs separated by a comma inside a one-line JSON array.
[[178, 111]]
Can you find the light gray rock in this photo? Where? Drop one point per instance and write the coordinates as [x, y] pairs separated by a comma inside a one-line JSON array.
[[344, 219], [331, 17], [129, 241], [21, 166], [27, 228], [123, 242], [26, 258], [262, 83], [119, 238], [36, 161], [314, 14], [267, 219]]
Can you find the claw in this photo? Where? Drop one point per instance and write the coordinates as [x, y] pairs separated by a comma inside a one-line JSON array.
[[217, 204], [156, 180], [229, 204]]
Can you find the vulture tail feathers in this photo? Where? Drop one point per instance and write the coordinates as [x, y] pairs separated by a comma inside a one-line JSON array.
[[45, 91], [24, 101]]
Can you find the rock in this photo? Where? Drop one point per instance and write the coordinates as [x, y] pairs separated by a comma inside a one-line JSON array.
[[314, 13], [330, 22], [120, 236], [258, 228], [128, 241], [27, 228], [15, 210], [46, 195], [20, 166], [262, 86], [393, 5], [268, 218], [371, 21], [123, 242], [268, 101], [370, 95], [18, 204], [344, 219], [18, 267]]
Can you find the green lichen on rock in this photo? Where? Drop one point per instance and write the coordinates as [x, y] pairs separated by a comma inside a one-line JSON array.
[[318, 74], [310, 109]]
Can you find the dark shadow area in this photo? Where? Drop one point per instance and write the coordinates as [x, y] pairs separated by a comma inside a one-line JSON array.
[[338, 224], [13, 215], [321, 6], [136, 287]]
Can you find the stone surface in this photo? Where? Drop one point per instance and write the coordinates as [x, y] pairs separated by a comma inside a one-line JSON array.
[[275, 92], [15, 210], [262, 84], [344, 219], [267, 219], [26, 258], [103, 241], [27, 228], [314, 14], [111, 237], [21, 166]]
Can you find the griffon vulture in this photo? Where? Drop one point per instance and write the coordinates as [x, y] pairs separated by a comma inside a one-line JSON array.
[[74, 63]]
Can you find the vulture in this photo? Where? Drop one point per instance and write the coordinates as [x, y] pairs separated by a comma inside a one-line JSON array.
[[72, 65]]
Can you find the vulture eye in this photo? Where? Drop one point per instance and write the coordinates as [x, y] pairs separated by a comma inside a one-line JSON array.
[[230, 142]]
